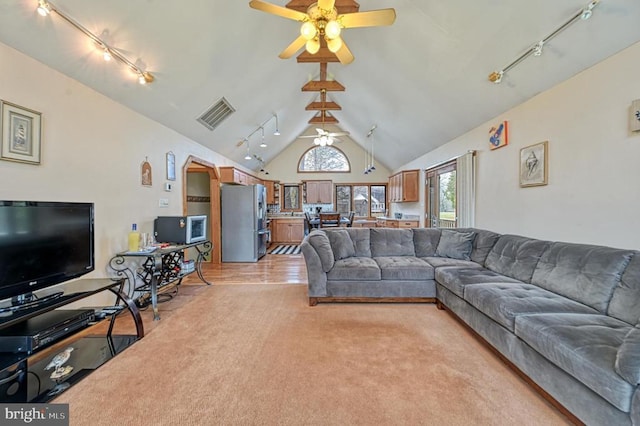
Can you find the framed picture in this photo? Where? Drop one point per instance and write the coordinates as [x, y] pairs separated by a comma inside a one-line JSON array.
[[635, 116], [21, 134], [145, 173], [171, 166], [534, 164], [499, 135]]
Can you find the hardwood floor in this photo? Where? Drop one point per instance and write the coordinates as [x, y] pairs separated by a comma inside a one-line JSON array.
[[271, 269]]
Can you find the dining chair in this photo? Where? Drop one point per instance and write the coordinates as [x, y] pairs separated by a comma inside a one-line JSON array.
[[351, 216], [329, 220]]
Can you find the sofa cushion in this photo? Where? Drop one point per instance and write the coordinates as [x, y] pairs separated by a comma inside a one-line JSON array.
[[585, 346], [354, 269], [425, 241], [585, 273], [404, 268], [361, 240], [455, 244], [320, 242], [482, 243], [341, 244], [439, 262], [516, 256], [627, 358], [455, 279], [503, 302], [391, 242], [625, 303]]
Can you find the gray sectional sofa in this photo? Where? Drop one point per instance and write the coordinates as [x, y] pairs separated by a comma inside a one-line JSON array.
[[565, 316]]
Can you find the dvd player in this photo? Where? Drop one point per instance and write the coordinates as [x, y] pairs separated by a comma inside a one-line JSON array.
[[45, 329]]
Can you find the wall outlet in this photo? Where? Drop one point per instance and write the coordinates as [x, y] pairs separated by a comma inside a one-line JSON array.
[[163, 202]]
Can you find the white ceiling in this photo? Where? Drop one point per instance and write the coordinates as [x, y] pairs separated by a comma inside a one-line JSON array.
[[422, 81]]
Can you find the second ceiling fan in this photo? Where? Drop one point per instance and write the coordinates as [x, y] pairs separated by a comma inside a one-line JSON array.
[[323, 24]]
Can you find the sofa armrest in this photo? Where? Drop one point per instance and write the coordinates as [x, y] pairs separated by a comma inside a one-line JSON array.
[[628, 357], [316, 277]]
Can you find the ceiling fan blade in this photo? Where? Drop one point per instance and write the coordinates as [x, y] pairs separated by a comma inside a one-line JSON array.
[[291, 50], [372, 18], [344, 54], [333, 135], [326, 4], [278, 10]]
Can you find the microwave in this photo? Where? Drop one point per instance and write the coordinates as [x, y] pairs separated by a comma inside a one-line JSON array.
[[180, 229]]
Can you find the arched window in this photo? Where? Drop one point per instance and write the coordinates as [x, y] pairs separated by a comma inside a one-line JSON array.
[[324, 159]]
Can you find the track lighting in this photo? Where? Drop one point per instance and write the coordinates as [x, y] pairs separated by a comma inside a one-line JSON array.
[[536, 49], [46, 7], [277, 131], [262, 144]]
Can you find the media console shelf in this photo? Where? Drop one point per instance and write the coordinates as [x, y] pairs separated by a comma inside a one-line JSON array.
[[160, 268], [24, 377]]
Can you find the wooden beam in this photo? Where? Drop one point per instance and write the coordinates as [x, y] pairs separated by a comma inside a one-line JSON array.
[[323, 55], [323, 106], [343, 6], [324, 118], [318, 86]]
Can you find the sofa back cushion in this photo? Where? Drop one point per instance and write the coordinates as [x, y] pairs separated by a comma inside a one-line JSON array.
[[391, 242], [482, 244], [585, 273], [361, 238], [516, 256], [320, 242], [625, 303], [425, 241], [455, 244], [341, 244]]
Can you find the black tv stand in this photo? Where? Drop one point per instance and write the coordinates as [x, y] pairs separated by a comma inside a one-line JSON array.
[[25, 377], [29, 300]]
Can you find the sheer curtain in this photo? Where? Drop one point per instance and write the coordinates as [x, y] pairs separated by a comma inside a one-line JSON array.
[[466, 191]]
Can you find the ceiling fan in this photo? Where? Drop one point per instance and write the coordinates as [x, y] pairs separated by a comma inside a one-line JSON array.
[[324, 138], [323, 23]]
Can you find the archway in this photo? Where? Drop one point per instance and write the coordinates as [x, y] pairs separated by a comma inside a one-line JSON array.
[[198, 165]]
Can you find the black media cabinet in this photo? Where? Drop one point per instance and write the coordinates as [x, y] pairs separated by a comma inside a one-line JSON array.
[[24, 377]]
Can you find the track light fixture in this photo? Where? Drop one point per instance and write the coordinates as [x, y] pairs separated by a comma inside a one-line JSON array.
[[45, 8], [262, 143], [536, 50], [260, 128], [277, 131]]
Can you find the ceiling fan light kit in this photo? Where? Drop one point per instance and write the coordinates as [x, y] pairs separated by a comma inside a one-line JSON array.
[[536, 50]]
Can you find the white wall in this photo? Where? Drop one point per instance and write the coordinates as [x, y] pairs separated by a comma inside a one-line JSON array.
[[284, 167], [92, 149], [593, 195]]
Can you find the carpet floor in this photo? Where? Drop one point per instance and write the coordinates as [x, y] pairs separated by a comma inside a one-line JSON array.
[[259, 355]]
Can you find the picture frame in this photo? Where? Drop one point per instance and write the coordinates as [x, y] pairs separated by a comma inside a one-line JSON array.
[[534, 165], [635, 116], [499, 135], [146, 174], [21, 133], [171, 166]]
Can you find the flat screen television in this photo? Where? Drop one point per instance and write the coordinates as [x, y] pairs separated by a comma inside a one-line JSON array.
[[43, 243]]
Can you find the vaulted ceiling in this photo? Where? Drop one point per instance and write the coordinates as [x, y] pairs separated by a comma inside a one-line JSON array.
[[423, 80]]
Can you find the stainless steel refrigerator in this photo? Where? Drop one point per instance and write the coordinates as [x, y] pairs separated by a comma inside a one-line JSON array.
[[244, 222]]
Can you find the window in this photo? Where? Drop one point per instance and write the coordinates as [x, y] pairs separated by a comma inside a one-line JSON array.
[[324, 159], [364, 200], [441, 184]]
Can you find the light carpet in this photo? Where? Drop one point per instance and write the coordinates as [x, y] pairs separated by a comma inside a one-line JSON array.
[[258, 354]]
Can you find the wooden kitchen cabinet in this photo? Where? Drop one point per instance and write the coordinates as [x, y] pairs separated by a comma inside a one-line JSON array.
[[287, 230], [233, 175], [404, 186], [273, 191], [319, 191]]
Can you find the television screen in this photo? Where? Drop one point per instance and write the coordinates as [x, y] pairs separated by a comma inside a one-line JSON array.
[[43, 244]]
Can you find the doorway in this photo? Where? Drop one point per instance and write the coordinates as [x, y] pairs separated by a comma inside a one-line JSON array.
[[201, 195], [441, 196]]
